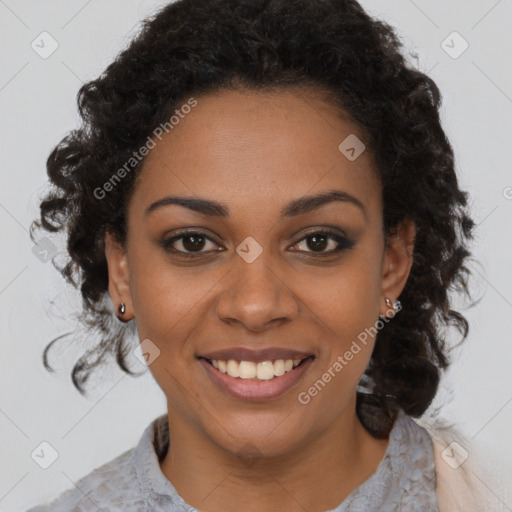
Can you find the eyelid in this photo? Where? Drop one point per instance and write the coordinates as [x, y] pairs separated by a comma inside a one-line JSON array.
[[342, 240], [326, 229]]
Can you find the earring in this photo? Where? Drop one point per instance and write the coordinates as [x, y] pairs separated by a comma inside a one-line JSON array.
[[397, 306], [121, 309]]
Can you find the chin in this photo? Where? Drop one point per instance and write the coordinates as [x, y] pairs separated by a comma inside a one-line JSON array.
[[261, 438]]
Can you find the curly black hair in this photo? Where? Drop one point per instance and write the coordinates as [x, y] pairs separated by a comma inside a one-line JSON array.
[[193, 47]]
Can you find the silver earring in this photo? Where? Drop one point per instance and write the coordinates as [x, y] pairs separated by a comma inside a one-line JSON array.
[[397, 306], [121, 309]]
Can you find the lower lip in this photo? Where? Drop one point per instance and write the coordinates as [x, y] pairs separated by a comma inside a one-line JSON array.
[[248, 389]]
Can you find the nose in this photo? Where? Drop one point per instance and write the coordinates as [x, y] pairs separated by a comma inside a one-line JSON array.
[[258, 295]]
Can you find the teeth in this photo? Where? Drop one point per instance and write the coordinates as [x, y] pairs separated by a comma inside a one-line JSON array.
[[264, 370], [232, 368], [279, 367], [246, 369]]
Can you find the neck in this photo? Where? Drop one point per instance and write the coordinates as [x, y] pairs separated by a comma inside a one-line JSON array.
[[316, 477]]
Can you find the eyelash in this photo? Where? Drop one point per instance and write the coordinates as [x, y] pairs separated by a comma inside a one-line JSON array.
[[344, 243]]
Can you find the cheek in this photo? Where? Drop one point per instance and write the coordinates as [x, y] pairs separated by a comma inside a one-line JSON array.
[[347, 300], [164, 300], [167, 308], [347, 305]]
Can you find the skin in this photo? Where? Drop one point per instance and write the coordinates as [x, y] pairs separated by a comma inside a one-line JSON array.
[[255, 152]]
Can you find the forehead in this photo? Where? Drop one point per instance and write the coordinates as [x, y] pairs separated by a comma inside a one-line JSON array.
[[248, 146]]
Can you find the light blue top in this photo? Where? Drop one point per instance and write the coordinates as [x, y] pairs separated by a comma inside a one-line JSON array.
[[404, 481]]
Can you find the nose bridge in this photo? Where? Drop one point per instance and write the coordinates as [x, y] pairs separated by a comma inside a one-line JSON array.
[[257, 293], [257, 277]]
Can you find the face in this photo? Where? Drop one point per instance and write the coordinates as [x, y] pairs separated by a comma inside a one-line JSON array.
[[265, 267]]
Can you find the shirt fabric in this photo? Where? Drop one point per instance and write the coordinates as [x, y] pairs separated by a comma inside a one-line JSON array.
[[404, 481]]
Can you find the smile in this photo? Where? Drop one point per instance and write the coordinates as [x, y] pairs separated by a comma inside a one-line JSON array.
[[250, 380]]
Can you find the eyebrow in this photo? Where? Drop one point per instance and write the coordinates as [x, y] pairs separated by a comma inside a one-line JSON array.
[[296, 207]]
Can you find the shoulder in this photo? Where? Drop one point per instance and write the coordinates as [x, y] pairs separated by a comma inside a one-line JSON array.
[[111, 485], [465, 479], [125, 483]]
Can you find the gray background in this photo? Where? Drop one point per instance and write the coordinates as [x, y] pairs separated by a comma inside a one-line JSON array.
[[37, 102]]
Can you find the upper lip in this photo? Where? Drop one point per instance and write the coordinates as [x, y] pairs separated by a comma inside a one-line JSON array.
[[255, 355]]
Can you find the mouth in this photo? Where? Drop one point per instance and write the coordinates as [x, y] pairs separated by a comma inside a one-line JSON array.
[[260, 379], [254, 370]]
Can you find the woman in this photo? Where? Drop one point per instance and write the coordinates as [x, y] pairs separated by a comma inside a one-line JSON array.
[[255, 185]]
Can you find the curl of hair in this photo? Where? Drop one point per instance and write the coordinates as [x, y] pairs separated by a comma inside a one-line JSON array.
[[193, 47]]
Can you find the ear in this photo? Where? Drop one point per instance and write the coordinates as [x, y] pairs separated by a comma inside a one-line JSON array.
[[397, 262], [118, 276]]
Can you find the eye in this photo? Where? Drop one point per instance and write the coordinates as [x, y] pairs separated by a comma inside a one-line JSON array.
[[188, 244], [318, 241], [192, 243]]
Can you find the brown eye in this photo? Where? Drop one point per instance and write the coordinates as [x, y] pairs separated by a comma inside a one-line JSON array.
[[319, 241], [187, 244]]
